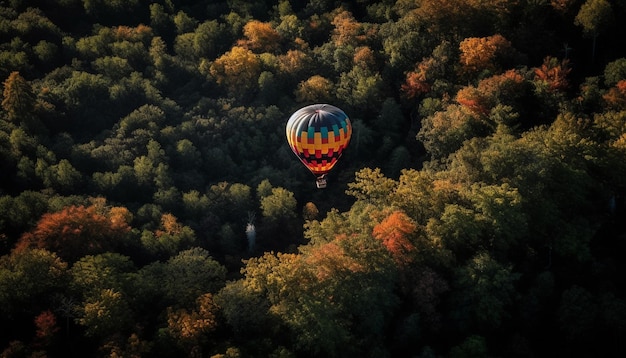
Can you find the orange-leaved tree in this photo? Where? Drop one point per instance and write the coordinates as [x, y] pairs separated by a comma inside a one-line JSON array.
[[394, 232], [553, 73], [615, 97], [237, 69], [77, 231], [46, 325], [417, 81], [191, 327], [483, 53], [260, 37]]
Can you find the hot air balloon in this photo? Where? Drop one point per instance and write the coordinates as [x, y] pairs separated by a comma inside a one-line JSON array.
[[318, 134]]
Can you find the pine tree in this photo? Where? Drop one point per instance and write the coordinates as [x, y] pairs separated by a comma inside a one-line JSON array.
[[19, 98]]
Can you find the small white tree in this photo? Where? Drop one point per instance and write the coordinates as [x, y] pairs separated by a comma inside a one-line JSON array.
[[251, 232]]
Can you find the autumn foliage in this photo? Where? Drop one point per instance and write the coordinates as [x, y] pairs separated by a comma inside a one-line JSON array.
[[330, 260], [189, 326], [417, 82], [504, 88], [76, 231], [482, 53], [237, 69], [553, 73], [615, 97], [46, 324], [394, 232], [260, 37]]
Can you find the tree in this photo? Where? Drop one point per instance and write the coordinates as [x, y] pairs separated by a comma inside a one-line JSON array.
[[348, 31], [417, 82], [444, 132], [473, 346], [394, 233], [105, 314], [315, 89], [169, 238], [211, 38], [184, 23], [614, 72], [93, 274], [237, 70], [486, 290], [508, 88], [553, 73], [577, 313], [294, 63], [371, 186], [19, 213], [190, 274], [360, 88], [28, 280], [260, 37], [484, 53], [310, 211], [18, 97], [190, 327], [46, 325], [594, 17], [113, 67], [187, 156], [325, 317], [246, 309], [389, 123], [62, 176], [74, 232], [279, 205]]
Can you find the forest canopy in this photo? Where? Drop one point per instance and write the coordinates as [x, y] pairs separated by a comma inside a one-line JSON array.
[[150, 205]]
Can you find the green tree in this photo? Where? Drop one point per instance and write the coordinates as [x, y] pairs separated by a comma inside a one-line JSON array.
[[93, 274], [444, 132], [161, 21], [615, 71], [577, 313], [113, 67], [246, 309], [472, 347], [279, 205], [360, 88], [97, 45], [105, 10], [210, 39], [594, 17], [485, 291], [147, 117], [106, 314], [170, 237], [187, 155], [371, 186], [190, 274], [62, 176], [184, 23], [19, 213], [28, 280]]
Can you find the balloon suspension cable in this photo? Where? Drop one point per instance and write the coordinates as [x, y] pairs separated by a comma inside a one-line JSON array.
[[321, 181]]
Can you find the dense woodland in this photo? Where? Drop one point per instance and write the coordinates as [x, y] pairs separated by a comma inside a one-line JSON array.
[[151, 207]]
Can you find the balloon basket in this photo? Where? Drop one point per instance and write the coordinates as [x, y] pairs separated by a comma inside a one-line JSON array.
[[321, 182]]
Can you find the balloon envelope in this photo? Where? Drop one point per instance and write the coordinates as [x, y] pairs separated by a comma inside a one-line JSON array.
[[318, 135]]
